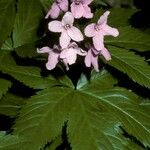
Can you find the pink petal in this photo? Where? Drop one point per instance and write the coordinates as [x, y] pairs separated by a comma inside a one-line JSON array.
[[70, 55], [75, 34], [87, 2], [77, 10], [53, 12], [95, 63], [110, 31], [64, 39], [87, 12], [103, 18], [44, 50], [64, 5], [55, 26], [68, 19], [106, 54], [98, 41], [52, 60], [88, 59], [89, 31]]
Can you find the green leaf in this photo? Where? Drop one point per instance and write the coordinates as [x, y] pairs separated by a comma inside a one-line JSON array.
[[7, 17], [115, 20], [55, 143], [27, 22], [130, 38], [29, 76], [46, 4], [10, 105], [122, 19], [10, 142], [7, 45], [38, 114], [4, 86], [27, 50], [133, 65], [102, 80], [93, 116]]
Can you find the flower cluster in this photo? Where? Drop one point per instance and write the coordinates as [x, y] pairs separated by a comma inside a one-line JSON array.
[[67, 49]]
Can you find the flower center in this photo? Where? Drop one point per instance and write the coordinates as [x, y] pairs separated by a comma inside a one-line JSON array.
[[77, 2], [67, 26], [97, 27]]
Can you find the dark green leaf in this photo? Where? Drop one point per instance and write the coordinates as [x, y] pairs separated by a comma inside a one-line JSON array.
[[27, 50], [46, 4], [11, 104], [7, 17], [10, 142], [93, 115], [30, 76], [27, 22], [133, 65], [4, 86], [130, 38]]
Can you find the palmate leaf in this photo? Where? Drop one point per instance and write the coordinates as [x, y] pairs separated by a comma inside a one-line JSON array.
[[30, 76], [123, 17], [130, 38], [8, 44], [27, 50], [133, 65], [27, 22], [46, 4], [10, 105], [93, 116], [4, 86], [10, 142], [7, 17]]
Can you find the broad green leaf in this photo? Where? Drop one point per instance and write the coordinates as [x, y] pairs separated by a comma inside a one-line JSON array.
[[119, 17], [55, 143], [27, 50], [46, 4], [47, 111], [130, 38], [93, 116], [102, 80], [27, 22], [29, 76], [4, 86], [131, 64], [114, 19], [11, 104], [10, 142], [7, 45], [7, 17], [115, 3]]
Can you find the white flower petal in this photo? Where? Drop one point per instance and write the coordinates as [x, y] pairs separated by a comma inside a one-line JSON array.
[[103, 18], [55, 26], [68, 19], [64, 39], [89, 30], [75, 34]]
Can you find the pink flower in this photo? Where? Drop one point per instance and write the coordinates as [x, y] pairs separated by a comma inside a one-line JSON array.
[[91, 59], [53, 56], [80, 8], [57, 7], [69, 54], [68, 31], [98, 30]]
